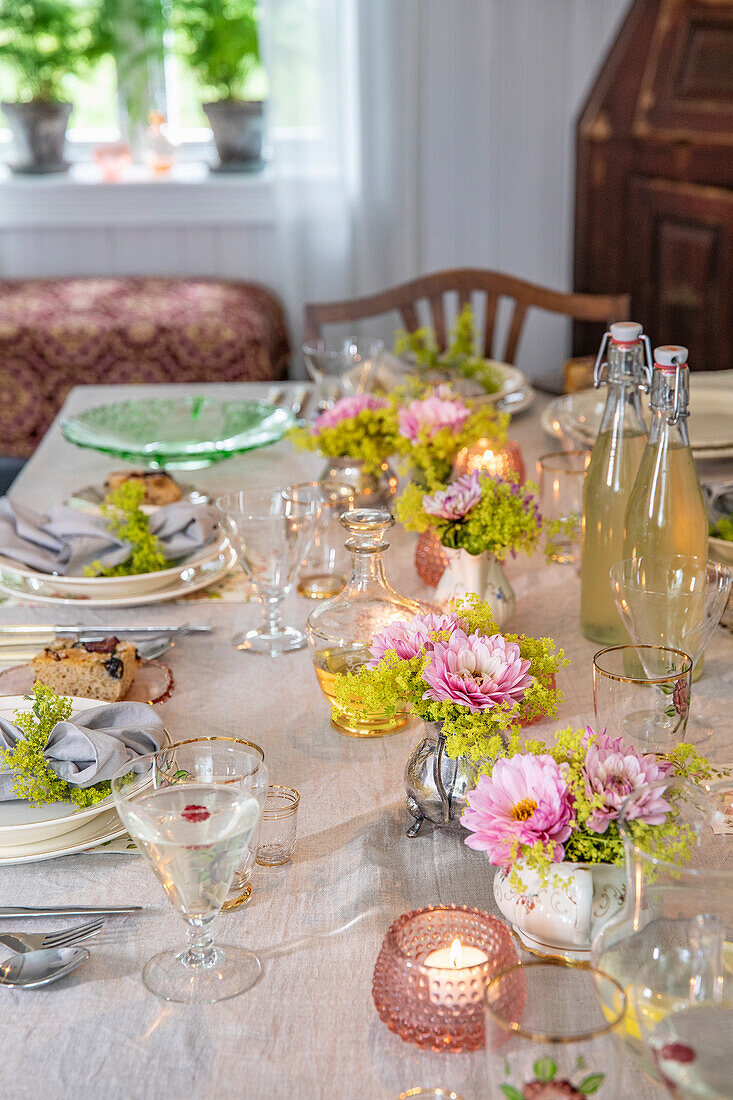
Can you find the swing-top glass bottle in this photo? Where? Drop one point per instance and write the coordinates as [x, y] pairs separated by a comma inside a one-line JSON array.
[[611, 473]]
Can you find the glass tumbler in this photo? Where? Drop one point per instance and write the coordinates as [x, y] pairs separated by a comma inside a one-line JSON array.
[[325, 567], [642, 693], [278, 826], [561, 476], [547, 1035]]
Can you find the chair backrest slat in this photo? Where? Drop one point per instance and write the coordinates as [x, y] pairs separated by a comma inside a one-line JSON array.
[[494, 284]]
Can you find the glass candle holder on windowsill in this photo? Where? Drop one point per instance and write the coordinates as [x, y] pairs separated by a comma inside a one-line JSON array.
[[435, 1006], [340, 631]]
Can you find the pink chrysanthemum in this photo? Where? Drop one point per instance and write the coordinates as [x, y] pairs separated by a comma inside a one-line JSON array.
[[457, 499], [432, 414], [525, 799], [615, 771], [346, 409], [477, 671], [408, 639]]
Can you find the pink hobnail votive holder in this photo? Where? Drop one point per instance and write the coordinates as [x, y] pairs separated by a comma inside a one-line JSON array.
[[438, 1009]]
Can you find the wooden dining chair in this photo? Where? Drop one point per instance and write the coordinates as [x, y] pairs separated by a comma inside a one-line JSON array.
[[466, 281]]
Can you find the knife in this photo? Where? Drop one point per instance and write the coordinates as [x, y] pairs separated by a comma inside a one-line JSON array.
[[67, 910], [87, 631]]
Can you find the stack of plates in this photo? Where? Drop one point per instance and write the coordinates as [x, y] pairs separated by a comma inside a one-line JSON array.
[[198, 571], [31, 833], [577, 417], [178, 433]]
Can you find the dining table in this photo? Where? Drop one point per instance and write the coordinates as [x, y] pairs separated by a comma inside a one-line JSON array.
[[308, 1029]]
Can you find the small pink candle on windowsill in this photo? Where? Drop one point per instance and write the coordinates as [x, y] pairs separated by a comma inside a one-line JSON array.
[[448, 962]]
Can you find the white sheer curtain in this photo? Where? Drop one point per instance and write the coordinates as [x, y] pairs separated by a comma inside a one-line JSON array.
[[344, 112]]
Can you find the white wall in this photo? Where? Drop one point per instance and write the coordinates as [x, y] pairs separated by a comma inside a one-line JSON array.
[[503, 82], [499, 84]]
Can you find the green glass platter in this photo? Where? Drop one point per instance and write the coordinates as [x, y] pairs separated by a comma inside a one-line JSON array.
[[178, 433]]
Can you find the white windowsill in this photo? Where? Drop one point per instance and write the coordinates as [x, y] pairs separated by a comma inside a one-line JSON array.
[[190, 193]]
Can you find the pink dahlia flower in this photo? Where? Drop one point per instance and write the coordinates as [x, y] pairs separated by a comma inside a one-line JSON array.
[[477, 671], [457, 500], [346, 409], [430, 415], [408, 639], [525, 799], [616, 770]]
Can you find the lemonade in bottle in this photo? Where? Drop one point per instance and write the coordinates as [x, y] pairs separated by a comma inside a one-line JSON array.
[[666, 512], [610, 476]]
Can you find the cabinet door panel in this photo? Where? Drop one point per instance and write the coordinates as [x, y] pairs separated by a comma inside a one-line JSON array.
[[682, 265]]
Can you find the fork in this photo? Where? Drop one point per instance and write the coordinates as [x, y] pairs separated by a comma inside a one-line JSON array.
[[65, 937]]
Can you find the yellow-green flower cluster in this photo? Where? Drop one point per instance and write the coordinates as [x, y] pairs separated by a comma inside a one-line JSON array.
[[506, 518], [34, 779], [128, 521], [370, 437], [458, 358], [430, 459], [397, 685]]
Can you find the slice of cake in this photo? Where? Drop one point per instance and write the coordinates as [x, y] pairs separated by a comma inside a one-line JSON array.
[[159, 488], [92, 670]]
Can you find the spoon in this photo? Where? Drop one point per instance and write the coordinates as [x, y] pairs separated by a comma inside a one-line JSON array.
[[35, 968]]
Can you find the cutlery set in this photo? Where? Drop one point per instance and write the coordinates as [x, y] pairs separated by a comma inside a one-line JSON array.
[[44, 957], [18, 642]]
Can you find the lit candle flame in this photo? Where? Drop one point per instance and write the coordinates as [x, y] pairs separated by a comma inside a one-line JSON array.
[[456, 954]]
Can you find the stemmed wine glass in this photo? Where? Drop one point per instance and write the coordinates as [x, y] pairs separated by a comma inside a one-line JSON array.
[[674, 601], [194, 833], [270, 531]]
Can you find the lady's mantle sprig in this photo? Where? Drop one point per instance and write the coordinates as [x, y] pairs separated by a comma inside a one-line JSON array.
[[477, 513], [363, 427], [457, 669]]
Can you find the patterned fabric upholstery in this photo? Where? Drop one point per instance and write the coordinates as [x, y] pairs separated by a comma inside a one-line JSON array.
[[59, 333]]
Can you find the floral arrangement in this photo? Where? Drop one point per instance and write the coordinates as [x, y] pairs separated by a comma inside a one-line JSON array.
[[477, 512], [33, 778], [459, 358], [128, 522], [363, 427], [544, 804], [435, 426], [456, 669]]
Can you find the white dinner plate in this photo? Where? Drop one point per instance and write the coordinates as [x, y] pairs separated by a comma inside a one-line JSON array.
[[89, 835], [109, 587], [92, 496], [721, 550], [189, 579], [710, 424], [21, 823]]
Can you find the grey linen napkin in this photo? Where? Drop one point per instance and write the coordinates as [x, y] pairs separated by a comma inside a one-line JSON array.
[[66, 540], [91, 746]]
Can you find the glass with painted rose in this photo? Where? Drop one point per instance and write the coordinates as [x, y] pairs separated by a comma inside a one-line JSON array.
[[669, 945]]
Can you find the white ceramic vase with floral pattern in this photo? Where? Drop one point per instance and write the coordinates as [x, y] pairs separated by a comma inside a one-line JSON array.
[[479, 573], [559, 913]]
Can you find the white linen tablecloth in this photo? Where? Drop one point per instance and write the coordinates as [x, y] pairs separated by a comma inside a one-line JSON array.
[[308, 1029]]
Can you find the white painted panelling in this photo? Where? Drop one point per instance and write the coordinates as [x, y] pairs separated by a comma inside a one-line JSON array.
[[482, 127]]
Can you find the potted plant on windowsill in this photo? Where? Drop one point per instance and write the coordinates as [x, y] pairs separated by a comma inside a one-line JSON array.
[[43, 41], [219, 40]]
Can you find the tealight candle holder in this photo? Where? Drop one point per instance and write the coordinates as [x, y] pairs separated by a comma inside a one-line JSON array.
[[422, 989], [499, 461]]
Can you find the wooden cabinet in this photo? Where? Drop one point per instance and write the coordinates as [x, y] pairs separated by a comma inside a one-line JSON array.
[[654, 186]]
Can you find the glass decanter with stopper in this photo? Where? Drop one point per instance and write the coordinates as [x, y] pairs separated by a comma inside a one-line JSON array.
[[610, 476], [666, 512], [340, 631]]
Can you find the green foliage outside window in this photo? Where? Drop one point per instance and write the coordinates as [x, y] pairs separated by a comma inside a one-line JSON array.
[[43, 41], [219, 41]]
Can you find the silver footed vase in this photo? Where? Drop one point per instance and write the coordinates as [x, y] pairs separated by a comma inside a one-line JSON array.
[[436, 784]]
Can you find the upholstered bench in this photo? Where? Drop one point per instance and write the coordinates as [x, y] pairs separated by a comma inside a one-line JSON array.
[[58, 333]]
